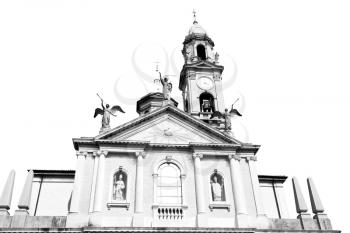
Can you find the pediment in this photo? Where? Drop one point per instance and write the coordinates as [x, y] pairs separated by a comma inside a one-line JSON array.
[[167, 129], [205, 64]]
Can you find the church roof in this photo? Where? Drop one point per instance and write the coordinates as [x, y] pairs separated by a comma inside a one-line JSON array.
[[110, 136], [197, 29]]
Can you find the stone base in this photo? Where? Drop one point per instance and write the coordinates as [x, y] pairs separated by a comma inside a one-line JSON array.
[[202, 220], [95, 219], [18, 220], [77, 220], [5, 221], [22, 212], [243, 221], [103, 130], [4, 212], [138, 220], [262, 222], [323, 221], [307, 223]]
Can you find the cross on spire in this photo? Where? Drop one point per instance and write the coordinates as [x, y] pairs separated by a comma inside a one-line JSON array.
[[194, 17]]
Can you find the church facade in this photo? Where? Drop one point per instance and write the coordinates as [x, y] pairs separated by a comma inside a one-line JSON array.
[[168, 169]]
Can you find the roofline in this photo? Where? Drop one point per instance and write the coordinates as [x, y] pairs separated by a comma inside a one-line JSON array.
[[43, 172], [175, 110], [273, 178], [100, 139], [148, 144]]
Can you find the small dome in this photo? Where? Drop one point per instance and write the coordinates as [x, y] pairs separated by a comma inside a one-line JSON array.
[[196, 29]]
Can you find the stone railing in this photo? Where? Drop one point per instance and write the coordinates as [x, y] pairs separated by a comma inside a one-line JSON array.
[[170, 213]]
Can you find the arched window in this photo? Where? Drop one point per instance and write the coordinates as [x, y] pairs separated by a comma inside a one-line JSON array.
[[201, 52], [206, 102], [169, 186], [120, 179], [217, 187]]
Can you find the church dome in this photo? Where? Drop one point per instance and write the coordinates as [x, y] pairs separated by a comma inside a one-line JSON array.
[[151, 102], [196, 29]]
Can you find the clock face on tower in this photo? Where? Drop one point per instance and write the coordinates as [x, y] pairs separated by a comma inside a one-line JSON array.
[[205, 83]]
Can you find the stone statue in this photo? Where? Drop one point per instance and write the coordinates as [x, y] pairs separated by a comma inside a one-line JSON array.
[[189, 54], [216, 56], [216, 189], [227, 117], [118, 188], [106, 113], [167, 86]]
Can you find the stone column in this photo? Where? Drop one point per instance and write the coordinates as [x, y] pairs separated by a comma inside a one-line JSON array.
[[138, 220], [238, 191], [78, 182], [262, 221], [100, 179], [201, 215], [94, 180], [139, 182]]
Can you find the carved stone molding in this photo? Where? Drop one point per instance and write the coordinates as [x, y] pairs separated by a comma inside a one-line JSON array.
[[234, 156], [197, 155], [102, 152], [125, 205], [140, 153], [82, 153], [251, 158], [168, 158]]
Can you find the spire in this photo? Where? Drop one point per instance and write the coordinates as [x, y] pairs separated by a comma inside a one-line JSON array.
[[300, 203], [24, 201], [194, 17], [315, 199], [6, 197]]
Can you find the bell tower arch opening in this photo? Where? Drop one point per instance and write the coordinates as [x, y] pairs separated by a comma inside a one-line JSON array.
[[201, 54], [206, 101]]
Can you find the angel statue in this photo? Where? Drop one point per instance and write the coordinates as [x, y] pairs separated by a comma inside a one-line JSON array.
[[106, 113], [227, 115]]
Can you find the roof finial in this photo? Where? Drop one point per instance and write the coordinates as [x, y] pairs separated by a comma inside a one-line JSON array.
[[194, 17]]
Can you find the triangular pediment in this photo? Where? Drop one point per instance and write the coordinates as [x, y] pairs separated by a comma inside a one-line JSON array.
[[206, 64], [167, 125], [168, 130]]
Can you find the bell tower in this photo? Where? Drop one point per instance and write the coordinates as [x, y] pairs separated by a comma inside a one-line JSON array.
[[201, 76]]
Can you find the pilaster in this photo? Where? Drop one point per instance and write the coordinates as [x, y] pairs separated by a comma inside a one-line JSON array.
[[238, 191], [138, 219], [262, 221], [202, 219]]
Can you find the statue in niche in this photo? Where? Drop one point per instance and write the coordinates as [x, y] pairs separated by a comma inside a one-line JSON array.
[[217, 188], [119, 186]]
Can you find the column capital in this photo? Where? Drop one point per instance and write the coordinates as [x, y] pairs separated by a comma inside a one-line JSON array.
[[251, 158], [140, 153], [102, 152], [197, 155], [82, 153], [234, 156]]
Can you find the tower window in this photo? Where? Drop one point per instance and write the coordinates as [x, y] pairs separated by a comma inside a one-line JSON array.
[[201, 52], [206, 102]]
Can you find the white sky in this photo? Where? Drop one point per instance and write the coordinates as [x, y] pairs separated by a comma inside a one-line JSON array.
[[292, 71]]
